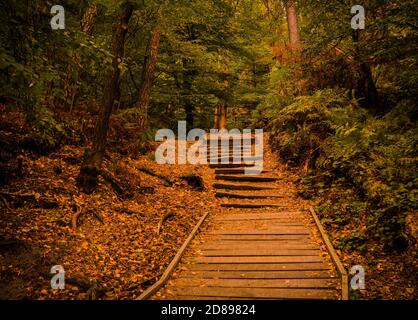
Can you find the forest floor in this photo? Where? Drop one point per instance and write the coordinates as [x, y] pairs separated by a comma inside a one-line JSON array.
[[116, 251]]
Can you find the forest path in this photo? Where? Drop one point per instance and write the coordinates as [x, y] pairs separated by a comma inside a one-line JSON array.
[[263, 243]]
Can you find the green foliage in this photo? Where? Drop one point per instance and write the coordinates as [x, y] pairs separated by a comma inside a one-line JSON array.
[[302, 128], [46, 131], [366, 165], [360, 163]]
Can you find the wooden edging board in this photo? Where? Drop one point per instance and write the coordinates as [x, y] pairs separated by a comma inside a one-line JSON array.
[[334, 256], [173, 264]]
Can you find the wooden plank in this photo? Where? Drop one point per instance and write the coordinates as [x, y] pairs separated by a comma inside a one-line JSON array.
[[273, 293], [279, 216], [227, 165], [258, 252], [334, 257], [246, 196], [260, 237], [213, 137], [174, 297], [243, 186], [285, 219], [247, 178], [229, 153], [261, 224], [302, 274], [231, 146], [251, 205], [259, 283], [173, 264], [257, 245], [315, 266], [264, 259], [296, 230], [235, 171]]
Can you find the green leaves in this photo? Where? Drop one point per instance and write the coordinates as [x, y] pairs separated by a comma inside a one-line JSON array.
[[366, 165]]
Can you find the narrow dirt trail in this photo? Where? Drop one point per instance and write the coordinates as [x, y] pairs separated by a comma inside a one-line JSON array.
[[262, 244]]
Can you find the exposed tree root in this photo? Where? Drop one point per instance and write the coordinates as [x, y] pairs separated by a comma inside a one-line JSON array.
[[21, 199], [128, 211], [164, 218], [166, 180], [116, 185], [79, 212]]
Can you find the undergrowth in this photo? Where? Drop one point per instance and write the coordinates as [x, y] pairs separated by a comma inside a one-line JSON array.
[[360, 167]]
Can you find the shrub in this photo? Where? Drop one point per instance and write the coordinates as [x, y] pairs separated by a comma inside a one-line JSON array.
[[365, 166]]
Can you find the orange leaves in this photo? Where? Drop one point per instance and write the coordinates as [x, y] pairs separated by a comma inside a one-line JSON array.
[[118, 254]]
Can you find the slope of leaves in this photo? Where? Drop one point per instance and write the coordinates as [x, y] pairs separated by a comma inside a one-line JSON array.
[[116, 246]]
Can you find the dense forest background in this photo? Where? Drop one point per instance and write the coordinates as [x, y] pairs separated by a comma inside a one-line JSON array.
[[340, 105]]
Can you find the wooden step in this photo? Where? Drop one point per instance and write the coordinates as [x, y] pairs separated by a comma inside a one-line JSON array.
[[258, 283], [254, 245], [228, 154], [284, 230], [272, 251], [279, 216], [260, 237], [246, 195], [230, 157], [267, 259], [251, 205], [227, 171], [260, 224], [229, 149], [230, 139], [254, 293], [301, 274], [246, 178], [236, 159], [229, 165], [243, 186], [259, 267], [220, 152]]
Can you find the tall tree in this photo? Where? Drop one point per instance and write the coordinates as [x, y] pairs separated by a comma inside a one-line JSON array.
[[365, 90], [71, 83], [150, 61], [189, 107], [189, 74], [220, 116], [90, 169], [292, 25], [89, 19]]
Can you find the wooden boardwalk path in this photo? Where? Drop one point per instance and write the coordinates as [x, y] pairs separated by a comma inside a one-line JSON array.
[[260, 246]]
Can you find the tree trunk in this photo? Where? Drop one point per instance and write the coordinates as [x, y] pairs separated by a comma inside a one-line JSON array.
[[221, 112], [89, 19], [189, 107], [150, 62], [87, 179], [189, 73], [366, 91], [217, 116], [71, 83], [292, 25], [223, 116]]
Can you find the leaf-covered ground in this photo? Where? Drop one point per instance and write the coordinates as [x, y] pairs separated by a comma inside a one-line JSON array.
[[116, 251], [116, 245]]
